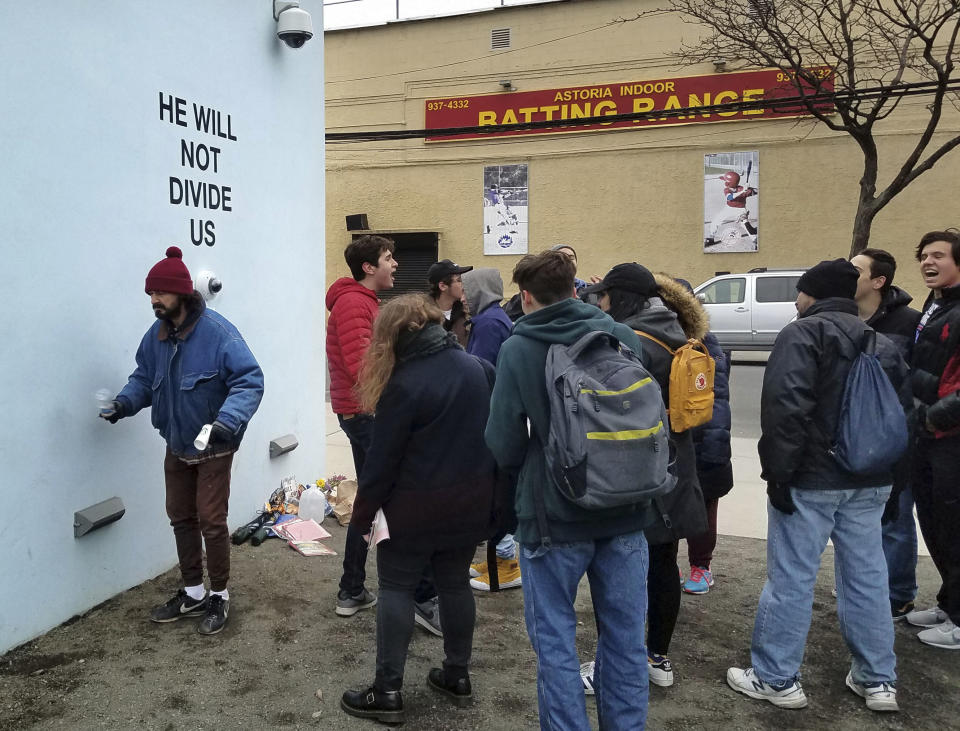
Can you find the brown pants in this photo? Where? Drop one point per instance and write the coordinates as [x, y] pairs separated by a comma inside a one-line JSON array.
[[197, 496]]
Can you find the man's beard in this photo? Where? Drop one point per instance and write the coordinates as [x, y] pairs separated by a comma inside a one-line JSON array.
[[170, 315]]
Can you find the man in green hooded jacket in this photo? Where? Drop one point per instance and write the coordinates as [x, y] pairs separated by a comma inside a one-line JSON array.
[[606, 545]]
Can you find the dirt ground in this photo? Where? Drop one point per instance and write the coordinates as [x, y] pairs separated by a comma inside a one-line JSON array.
[[285, 658]]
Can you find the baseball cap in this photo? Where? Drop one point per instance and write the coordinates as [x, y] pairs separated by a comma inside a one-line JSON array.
[[443, 269], [628, 277]]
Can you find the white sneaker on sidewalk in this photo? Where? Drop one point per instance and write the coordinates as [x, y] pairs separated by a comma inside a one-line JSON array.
[[879, 696], [926, 617], [747, 682], [946, 636]]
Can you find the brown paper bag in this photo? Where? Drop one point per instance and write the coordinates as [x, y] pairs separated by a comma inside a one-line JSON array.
[[342, 501]]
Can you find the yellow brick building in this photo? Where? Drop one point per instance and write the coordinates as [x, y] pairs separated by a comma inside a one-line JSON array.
[[614, 194]]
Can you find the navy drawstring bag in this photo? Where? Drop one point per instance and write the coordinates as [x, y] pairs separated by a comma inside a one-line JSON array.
[[872, 432]]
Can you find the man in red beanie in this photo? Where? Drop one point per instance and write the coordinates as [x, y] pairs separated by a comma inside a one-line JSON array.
[[193, 369]]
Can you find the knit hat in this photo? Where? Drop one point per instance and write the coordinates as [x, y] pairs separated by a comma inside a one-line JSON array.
[[170, 275], [837, 278], [630, 277], [557, 247]]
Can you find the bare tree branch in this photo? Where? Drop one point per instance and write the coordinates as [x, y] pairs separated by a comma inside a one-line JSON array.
[[873, 48]]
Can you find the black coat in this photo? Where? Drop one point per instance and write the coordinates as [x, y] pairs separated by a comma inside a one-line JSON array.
[[895, 319], [428, 466], [712, 440], [684, 505], [935, 365], [803, 394]]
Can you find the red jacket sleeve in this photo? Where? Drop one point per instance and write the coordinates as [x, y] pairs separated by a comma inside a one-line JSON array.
[[348, 336]]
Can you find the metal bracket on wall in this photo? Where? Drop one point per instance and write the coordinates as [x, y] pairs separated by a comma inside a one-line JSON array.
[[97, 516], [280, 445]]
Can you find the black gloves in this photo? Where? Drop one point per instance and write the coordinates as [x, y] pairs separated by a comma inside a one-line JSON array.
[[780, 498], [219, 434], [114, 413]]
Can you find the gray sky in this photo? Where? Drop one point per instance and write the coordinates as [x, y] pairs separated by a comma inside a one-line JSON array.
[[345, 13]]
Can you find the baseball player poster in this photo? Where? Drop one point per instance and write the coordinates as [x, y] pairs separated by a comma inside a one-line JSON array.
[[731, 201], [506, 201]]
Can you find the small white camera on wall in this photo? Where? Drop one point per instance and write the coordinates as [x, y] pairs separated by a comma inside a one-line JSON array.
[[207, 284], [294, 26]]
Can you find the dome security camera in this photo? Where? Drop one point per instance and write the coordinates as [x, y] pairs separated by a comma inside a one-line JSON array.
[[294, 26]]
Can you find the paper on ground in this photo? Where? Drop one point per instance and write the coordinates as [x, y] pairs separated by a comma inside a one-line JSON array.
[[299, 529]]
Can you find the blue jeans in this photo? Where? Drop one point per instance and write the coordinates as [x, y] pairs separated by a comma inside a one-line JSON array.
[[506, 548], [794, 546], [617, 571], [900, 550]]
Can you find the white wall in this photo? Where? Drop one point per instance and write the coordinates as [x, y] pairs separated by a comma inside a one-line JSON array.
[[85, 212]]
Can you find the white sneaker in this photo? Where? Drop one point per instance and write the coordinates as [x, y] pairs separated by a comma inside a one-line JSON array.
[[660, 670], [927, 617], [747, 682], [945, 636], [586, 676], [879, 696]]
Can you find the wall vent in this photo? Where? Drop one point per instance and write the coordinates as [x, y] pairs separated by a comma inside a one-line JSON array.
[[499, 38]]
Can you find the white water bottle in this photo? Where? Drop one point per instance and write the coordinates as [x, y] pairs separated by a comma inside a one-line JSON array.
[[313, 504], [104, 400]]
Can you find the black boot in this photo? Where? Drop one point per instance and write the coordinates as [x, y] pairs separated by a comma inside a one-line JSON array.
[[458, 690], [383, 706]]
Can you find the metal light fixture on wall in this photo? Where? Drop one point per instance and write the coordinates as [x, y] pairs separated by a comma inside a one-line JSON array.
[[507, 85], [720, 65]]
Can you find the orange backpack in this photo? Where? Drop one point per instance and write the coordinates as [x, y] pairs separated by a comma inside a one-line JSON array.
[[691, 383]]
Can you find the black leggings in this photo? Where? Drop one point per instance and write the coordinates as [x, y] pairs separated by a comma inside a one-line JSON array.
[[663, 597], [399, 572]]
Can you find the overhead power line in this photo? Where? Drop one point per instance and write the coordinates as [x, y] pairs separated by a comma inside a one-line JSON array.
[[799, 104]]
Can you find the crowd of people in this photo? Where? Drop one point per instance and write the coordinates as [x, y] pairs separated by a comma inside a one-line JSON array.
[[453, 431]]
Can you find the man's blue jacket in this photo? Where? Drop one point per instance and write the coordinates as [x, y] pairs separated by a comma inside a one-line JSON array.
[[203, 373]]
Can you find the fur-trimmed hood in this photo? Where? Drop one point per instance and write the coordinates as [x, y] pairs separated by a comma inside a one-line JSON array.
[[690, 313]]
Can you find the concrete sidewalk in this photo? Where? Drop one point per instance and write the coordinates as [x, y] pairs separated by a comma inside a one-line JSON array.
[[742, 513]]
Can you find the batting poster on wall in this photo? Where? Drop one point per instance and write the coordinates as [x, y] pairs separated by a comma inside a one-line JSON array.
[[506, 202], [731, 202]]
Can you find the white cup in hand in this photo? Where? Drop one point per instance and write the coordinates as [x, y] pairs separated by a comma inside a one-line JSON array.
[[203, 438]]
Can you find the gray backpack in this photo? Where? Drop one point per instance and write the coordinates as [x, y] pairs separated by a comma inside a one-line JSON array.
[[609, 439]]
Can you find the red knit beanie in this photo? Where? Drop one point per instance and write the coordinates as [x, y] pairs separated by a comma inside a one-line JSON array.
[[170, 275]]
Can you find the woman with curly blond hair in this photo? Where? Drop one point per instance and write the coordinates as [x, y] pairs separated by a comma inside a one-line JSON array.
[[430, 471]]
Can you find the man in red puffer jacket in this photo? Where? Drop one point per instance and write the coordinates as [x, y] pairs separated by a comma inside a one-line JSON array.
[[353, 304]]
